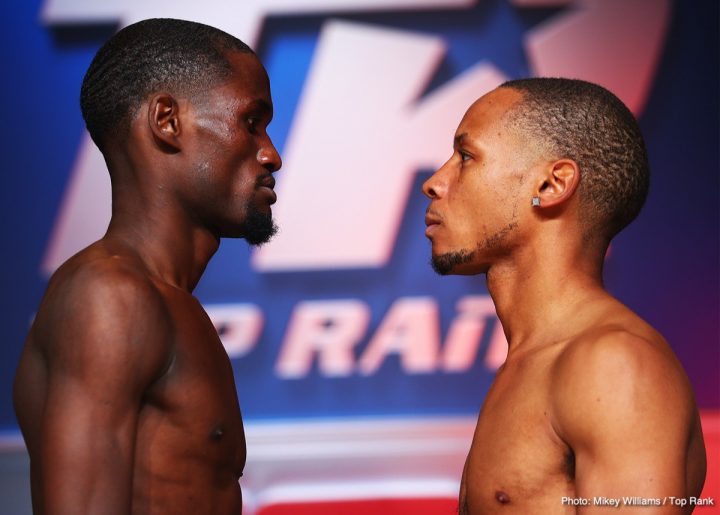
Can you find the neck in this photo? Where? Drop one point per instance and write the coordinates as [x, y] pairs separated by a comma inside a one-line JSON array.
[[539, 291], [173, 247]]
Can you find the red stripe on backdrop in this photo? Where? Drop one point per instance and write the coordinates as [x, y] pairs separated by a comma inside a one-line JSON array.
[[711, 432], [383, 506], [446, 505]]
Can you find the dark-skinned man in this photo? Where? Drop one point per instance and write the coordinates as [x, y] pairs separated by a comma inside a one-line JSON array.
[[124, 393]]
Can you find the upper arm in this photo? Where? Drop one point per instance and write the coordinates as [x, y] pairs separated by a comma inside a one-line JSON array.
[[624, 407], [105, 341]]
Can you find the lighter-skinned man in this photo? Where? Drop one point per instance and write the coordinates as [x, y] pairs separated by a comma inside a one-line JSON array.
[[591, 401]]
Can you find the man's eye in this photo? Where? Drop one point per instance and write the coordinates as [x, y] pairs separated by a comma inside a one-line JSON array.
[[464, 156], [252, 124]]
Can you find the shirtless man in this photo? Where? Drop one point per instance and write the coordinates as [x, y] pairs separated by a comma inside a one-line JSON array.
[[591, 402], [124, 393]]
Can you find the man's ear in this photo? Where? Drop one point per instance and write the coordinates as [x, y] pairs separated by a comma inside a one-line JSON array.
[[164, 121], [559, 183]]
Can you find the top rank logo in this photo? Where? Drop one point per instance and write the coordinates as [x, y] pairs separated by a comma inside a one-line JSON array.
[[362, 127]]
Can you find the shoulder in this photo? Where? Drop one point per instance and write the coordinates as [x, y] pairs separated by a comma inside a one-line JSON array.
[[613, 349], [619, 374], [106, 290], [616, 343], [104, 312]]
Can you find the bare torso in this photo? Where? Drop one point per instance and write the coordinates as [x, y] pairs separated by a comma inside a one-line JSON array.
[[518, 461], [190, 449], [189, 445]]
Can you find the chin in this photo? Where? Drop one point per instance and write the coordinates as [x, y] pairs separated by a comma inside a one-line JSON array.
[[456, 262]]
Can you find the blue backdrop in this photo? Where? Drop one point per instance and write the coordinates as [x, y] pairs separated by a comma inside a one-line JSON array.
[[664, 266]]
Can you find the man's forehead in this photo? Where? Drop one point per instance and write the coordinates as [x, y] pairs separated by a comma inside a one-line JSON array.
[[245, 89], [248, 78], [246, 62], [488, 110]]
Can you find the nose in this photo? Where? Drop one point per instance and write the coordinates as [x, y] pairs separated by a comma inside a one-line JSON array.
[[269, 157], [435, 186]]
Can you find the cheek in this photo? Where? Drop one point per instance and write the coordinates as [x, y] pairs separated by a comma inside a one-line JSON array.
[[464, 222], [470, 200], [478, 212], [241, 187]]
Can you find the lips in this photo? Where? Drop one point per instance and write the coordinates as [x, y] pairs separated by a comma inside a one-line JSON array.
[[432, 220], [268, 181], [432, 217], [267, 184]]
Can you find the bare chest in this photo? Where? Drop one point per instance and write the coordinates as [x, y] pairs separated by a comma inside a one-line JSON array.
[[516, 459], [192, 412]]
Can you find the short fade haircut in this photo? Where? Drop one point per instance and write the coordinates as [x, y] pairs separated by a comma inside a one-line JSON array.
[[181, 57], [584, 122]]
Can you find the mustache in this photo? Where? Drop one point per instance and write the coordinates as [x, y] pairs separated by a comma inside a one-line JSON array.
[[433, 214], [266, 180]]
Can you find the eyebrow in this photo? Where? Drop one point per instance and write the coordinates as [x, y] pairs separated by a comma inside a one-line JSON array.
[[260, 105], [459, 139]]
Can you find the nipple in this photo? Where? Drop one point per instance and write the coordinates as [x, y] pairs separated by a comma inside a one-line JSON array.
[[217, 433], [502, 497]]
